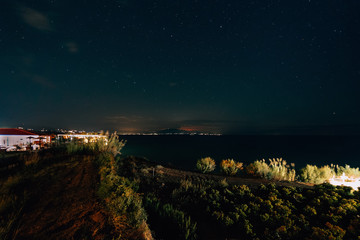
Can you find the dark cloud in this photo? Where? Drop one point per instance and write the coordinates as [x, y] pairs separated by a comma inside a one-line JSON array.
[[42, 81], [35, 19], [123, 119], [138, 124], [72, 47]]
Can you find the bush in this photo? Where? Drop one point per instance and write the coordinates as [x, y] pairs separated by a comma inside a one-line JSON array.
[[277, 169], [165, 216], [313, 174], [120, 193], [230, 167], [205, 165], [348, 171], [250, 169], [111, 144], [318, 175]]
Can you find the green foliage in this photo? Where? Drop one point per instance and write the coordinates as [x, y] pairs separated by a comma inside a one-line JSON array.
[[250, 169], [122, 199], [110, 144], [318, 175], [329, 232], [348, 171], [177, 224], [230, 167], [270, 212], [313, 174], [120, 193], [277, 169], [74, 147], [205, 165], [223, 183]]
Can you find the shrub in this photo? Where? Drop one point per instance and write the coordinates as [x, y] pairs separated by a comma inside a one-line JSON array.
[[230, 167], [205, 165], [318, 175], [277, 169], [223, 183], [330, 232], [348, 171], [313, 174], [177, 224], [250, 169], [111, 144], [120, 193]]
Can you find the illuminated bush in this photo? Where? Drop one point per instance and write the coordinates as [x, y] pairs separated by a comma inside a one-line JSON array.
[[230, 167], [111, 144], [119, 192], [348, 171], [318, 175], [205, 165], [277, 169], [314, 174]]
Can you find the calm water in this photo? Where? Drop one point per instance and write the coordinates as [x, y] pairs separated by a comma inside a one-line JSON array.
[[183, 151]]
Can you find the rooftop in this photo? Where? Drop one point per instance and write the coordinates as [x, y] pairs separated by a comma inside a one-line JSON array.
[[14, 131]]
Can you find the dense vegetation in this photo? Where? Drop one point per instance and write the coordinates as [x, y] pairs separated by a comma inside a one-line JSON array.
[[318, 175], [266, 212], [120, 194], [271, 212], [32, 171], [201, 208], [279, 170]]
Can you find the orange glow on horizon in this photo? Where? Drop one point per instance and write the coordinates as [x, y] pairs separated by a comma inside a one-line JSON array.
[[129, 130], [192, 128]]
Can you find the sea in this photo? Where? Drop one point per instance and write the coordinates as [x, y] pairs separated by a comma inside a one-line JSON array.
[[182, 151]]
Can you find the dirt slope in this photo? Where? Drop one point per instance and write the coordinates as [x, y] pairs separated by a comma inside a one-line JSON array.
[[67, 206]]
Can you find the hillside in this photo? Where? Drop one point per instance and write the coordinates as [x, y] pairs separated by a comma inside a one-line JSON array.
[[60, 202]]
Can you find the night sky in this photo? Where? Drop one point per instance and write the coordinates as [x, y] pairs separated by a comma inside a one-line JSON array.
[[244, 67]]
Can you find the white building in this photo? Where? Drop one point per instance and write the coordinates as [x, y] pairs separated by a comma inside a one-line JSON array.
[[84, 137], [10, 137]]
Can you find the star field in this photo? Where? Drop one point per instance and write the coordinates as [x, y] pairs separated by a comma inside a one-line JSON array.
[[263, 67]]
